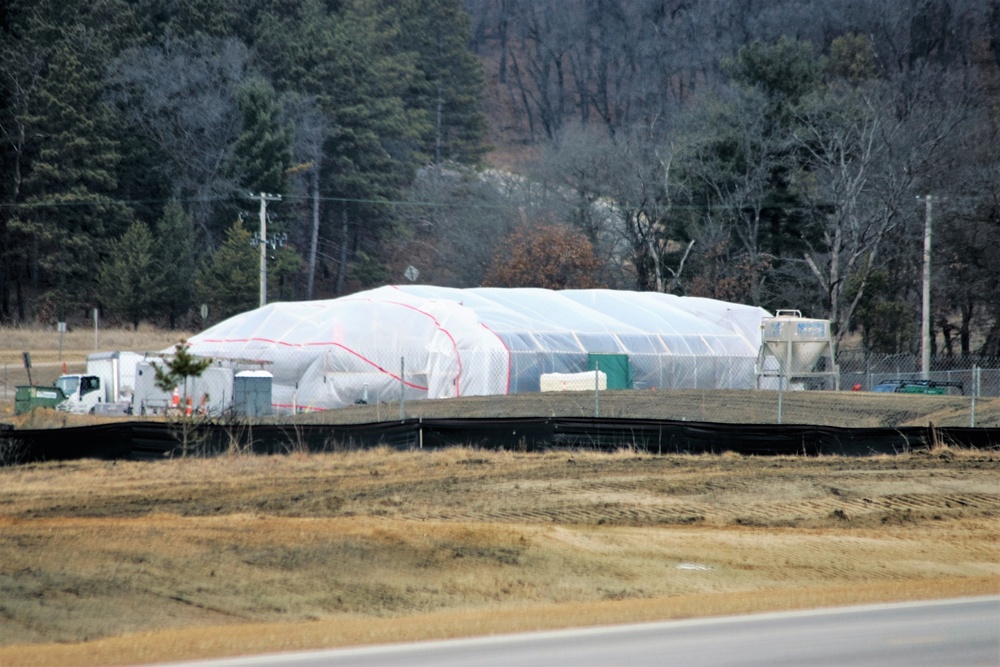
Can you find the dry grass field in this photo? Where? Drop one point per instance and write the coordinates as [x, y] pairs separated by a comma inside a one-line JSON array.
[[113, 563], [105, 563]]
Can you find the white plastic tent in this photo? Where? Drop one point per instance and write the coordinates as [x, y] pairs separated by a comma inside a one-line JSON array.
[[437, 342]]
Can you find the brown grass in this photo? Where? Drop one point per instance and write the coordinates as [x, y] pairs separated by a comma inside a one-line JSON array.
[[43, 342], [120, 563]]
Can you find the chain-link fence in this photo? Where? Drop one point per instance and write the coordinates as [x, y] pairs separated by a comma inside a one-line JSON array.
[[875, 390], [971, 376], [884, 391]]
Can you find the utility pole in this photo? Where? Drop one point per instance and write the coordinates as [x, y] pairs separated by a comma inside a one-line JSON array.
[[925, 324], [262, 240]]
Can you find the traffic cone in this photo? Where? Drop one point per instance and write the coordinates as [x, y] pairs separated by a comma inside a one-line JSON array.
[[188, 411], [176, 399]]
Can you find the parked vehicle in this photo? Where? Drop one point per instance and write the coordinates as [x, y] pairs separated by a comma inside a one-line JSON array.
[[124, 383], [919, 387], [105, 388]]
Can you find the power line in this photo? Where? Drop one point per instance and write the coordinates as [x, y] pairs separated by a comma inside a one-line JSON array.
[[205, 200], [347, 200], [358, 200]]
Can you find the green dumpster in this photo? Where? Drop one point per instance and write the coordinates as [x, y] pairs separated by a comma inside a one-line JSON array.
[[29, 397]]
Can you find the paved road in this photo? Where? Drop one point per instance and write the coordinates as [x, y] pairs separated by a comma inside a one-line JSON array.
[[948, 633]]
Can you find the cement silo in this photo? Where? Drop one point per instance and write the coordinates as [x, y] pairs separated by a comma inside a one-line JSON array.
[[796, 353]]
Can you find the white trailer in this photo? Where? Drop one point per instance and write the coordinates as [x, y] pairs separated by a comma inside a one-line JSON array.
[[210, 394]]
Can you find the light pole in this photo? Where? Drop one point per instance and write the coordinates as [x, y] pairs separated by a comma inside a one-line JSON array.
[[925, 323], [262, 240]]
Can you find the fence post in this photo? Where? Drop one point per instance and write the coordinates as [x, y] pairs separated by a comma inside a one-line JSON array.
[[402, 388], [597, 389], [780, 394], [975, 393]]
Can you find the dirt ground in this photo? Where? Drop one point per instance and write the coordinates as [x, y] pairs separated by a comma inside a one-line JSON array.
[[105, 563]]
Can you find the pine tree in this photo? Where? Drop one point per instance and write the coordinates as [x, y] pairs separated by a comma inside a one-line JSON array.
[[229, 280], [175, 373], [175, 242], [345, 59], [449, 83], [130, 283], [344, 56], [263, 150], [183, 365], [71, 182]]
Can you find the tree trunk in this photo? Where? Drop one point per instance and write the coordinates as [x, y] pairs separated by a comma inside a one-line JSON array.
[[314, 237], [19, 290], [342, 266], [965, 330]]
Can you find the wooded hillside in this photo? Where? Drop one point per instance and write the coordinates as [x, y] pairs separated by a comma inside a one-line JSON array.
[[782, 153]]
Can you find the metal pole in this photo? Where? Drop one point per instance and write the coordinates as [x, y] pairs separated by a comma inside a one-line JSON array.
[[976, 375], [263, 250], [264, 198], [925, 324], [402, 388], [597, 389]]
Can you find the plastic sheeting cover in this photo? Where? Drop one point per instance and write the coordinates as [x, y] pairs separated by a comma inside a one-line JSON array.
[[435, 342]]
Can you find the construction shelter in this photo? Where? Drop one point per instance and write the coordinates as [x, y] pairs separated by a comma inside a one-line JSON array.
[[420, 341]]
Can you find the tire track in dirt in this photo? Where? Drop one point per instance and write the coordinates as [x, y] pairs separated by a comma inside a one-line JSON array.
[[827, 511]]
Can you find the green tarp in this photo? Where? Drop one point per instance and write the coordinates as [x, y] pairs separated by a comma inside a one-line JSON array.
[[615, 366]]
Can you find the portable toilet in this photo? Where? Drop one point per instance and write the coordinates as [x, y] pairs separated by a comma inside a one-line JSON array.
[[793, 348], [252, 393]]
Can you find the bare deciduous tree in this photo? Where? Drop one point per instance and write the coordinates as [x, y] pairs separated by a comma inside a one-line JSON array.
[[181, 95], [867, 152]]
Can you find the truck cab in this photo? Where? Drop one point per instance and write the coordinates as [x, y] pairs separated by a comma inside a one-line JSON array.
[[83, 393]]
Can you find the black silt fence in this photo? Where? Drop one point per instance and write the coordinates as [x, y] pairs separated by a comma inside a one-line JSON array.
[[155, 440]]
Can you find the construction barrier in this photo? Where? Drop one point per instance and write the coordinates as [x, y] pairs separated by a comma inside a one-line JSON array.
[[152, 440]]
